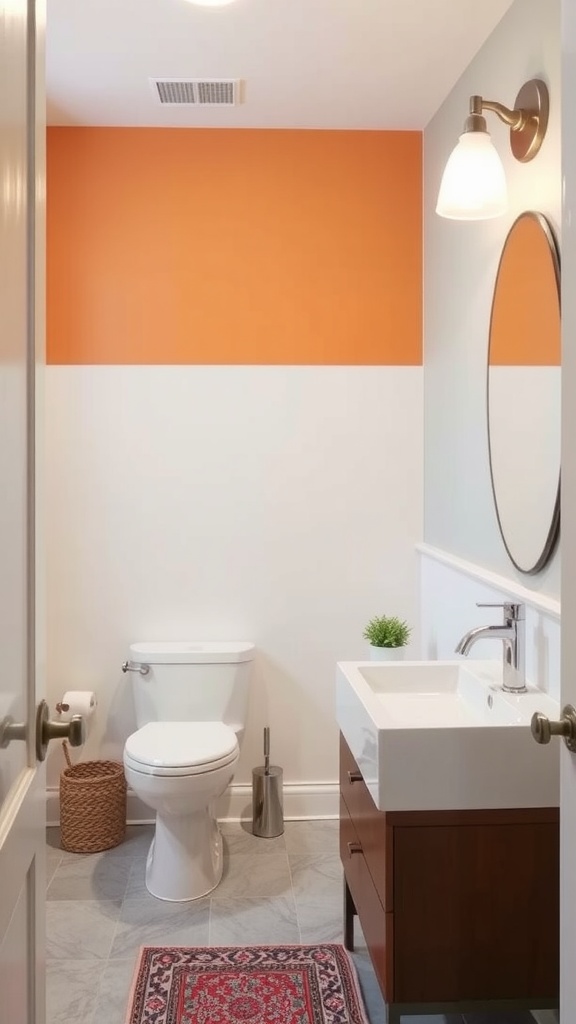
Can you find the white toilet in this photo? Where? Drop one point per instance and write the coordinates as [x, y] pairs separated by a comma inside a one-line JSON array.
[[191, 701]]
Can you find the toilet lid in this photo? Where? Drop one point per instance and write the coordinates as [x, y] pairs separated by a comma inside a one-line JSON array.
[[181, 748]]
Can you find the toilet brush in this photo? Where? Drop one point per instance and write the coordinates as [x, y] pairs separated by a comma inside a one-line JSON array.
[[267, 809]]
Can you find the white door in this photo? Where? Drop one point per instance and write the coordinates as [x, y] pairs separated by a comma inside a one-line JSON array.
[[567, 760], [22, 785]]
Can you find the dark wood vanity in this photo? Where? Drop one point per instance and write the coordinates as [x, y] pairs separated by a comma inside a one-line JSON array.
[[459, 909]]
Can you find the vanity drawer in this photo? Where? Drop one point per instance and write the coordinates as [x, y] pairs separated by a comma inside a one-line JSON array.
[[376, 923], [370, 824]]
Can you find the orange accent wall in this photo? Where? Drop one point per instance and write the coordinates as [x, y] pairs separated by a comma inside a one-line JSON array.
[[234, 246]]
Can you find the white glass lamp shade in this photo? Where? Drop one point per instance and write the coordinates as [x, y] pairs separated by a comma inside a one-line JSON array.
[[473, 184]]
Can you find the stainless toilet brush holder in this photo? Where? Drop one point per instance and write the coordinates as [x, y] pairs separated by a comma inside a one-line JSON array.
[[267, 799]]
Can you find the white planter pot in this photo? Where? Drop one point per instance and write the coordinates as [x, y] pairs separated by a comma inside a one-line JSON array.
[[386, 653]]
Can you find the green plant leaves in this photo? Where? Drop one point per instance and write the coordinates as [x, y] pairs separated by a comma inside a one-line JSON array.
[[387, 631]]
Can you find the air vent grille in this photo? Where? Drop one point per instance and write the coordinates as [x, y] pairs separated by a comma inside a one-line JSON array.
[[198, 92]]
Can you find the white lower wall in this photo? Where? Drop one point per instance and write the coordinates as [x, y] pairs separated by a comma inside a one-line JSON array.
[[276, 504]]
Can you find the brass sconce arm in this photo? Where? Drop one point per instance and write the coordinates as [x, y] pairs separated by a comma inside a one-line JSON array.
[[515, 119], [475, 122], [527, 120]]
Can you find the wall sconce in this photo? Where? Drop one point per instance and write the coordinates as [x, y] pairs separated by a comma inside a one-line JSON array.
[[474, 184]]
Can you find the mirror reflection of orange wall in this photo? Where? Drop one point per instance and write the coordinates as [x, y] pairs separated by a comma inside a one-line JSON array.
[[525, 325]]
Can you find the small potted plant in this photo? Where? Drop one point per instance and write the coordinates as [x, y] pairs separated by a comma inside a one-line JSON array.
[[387, 636]]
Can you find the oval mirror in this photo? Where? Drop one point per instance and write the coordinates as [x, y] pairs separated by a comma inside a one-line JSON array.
[[524, 393]]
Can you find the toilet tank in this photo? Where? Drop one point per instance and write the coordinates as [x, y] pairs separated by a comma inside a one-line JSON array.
[[193, 682]]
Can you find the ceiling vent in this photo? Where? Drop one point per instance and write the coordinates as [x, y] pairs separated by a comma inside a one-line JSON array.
[[198, 92]]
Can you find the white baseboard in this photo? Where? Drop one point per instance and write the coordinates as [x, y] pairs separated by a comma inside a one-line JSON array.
[[301, 801]]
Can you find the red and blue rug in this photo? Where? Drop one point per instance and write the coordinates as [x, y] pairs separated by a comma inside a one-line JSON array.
[[245, 985]]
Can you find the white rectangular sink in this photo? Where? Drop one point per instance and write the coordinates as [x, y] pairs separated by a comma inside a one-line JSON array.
[[444, 735]]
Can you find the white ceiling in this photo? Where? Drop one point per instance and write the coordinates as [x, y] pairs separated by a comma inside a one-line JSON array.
[[373, 64]]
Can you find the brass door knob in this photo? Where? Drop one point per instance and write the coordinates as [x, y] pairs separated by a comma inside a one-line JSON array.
[[74, 731], [11, 730], [543, 729]]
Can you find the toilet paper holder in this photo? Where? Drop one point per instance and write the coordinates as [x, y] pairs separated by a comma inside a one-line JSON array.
[[136, 666], [76, 702]]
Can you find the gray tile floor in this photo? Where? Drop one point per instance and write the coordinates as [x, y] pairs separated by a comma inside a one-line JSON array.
[[99, 913]]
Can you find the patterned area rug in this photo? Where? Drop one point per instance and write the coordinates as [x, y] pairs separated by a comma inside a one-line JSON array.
[[245, 985]]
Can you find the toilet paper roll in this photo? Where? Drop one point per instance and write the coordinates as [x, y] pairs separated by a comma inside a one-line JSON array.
[[80, 702]]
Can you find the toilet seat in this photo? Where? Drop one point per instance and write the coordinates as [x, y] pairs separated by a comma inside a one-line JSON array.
[[180, 748]]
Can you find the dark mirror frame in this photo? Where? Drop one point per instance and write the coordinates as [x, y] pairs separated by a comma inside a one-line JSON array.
[[554, 530]]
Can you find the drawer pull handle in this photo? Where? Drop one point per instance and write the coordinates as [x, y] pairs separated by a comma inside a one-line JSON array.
[[354, 848], [354, 777]]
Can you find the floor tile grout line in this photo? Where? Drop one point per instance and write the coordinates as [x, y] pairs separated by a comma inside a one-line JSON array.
[[84, 899], [128, 880], [116, 924], [147, 898], [294, 900], [91, 1019], [285, 894]]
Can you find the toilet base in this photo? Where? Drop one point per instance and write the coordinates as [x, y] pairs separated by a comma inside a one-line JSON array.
[[185, 858]]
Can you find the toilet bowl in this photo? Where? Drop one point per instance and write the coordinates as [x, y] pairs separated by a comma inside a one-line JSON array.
[[179, 768]]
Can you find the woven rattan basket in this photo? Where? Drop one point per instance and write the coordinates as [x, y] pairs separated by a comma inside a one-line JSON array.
[[92, 805]]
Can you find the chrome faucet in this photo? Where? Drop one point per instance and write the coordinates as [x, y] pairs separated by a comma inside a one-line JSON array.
[[512, 635]]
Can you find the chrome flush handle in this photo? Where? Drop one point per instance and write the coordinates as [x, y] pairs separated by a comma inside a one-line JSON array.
[[136, 666]]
